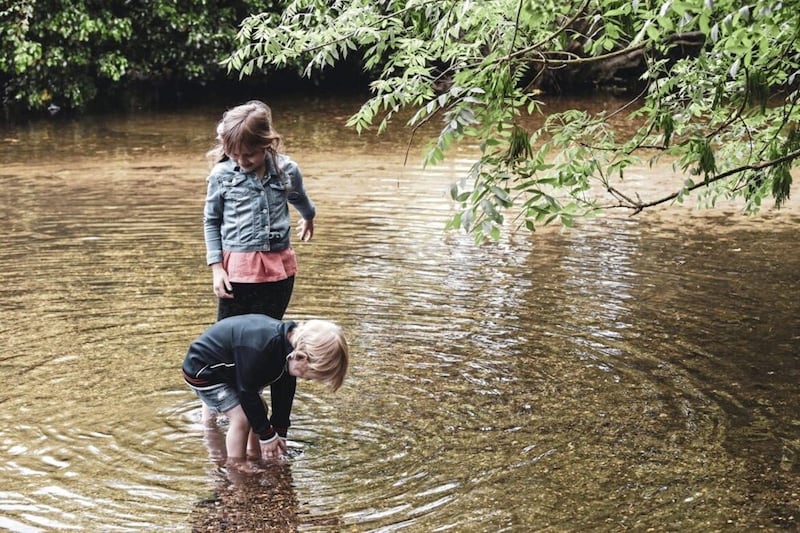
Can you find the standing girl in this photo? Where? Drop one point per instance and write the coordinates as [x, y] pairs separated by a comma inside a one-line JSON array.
[[246, 218]]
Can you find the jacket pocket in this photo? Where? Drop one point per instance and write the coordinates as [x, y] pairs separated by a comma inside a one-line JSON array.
[[237, 189], [276, 192]]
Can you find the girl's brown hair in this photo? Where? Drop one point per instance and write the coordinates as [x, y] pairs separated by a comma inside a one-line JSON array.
[[248, 125]]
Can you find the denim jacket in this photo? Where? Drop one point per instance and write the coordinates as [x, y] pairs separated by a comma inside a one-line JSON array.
[[244, 214]]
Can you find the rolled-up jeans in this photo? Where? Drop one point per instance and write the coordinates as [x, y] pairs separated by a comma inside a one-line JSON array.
[[219, 398]]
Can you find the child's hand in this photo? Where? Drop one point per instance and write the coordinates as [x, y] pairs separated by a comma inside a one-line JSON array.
[[274, 449], [219, 282], [305, 229]]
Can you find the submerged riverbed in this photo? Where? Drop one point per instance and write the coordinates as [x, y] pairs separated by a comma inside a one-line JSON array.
[[632, 373]]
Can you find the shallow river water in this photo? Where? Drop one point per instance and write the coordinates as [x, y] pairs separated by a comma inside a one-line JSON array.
[[633, 373]]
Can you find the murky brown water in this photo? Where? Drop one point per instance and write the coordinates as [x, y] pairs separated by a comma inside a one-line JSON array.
[[631, 374]]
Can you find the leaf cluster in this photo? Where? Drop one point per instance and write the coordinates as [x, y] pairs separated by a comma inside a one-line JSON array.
[[724, 110]]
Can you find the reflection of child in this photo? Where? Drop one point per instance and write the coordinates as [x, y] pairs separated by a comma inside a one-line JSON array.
[[234, 359], [246, 217], [242, 501]]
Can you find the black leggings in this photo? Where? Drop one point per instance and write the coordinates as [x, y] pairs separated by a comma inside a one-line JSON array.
[[269, 299]]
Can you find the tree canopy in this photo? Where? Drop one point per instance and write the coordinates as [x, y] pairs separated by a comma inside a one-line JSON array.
[[717, 93], [71, 52]]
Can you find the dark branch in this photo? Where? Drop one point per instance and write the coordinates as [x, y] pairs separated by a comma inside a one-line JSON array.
[[637, 207]]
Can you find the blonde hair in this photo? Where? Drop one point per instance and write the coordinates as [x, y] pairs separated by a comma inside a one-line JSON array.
[[325, 346], [248, 125]]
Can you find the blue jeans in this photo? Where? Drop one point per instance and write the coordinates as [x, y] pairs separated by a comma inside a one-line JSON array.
[[219, 398]]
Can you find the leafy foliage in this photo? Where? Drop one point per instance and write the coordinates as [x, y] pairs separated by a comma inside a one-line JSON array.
[[725, 109], [68, 51]]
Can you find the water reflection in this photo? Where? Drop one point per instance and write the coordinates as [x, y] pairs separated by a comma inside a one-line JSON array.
[[253, 501], [635, 373]]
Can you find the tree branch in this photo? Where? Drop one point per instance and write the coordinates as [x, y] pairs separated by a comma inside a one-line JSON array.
[[640, 206]]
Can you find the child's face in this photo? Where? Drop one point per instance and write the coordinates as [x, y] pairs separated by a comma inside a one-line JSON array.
[[249, 159], [298, 365]]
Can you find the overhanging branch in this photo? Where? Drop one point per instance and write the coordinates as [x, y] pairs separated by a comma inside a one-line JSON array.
[[639, 206]]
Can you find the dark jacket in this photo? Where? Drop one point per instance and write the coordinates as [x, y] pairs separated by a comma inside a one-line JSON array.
[[247, 352]]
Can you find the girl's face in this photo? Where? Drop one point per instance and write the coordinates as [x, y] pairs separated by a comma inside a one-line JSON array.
[[250, 159]]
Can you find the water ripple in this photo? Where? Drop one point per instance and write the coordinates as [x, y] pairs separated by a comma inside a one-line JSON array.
[[627, 374]]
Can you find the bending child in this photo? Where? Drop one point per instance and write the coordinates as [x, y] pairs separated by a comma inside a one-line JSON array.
[[232, 361]]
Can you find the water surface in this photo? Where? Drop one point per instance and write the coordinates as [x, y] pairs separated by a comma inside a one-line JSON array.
[[630, 374]]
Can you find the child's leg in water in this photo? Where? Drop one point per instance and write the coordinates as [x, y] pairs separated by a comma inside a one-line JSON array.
[[209, 418], [238, 434], [215, 442], [253, 446]]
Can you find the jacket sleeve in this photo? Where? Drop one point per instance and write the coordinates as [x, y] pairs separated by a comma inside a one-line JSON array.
[[298, 196], [212, 221], [250, 381], [256, 412], [282, 397]]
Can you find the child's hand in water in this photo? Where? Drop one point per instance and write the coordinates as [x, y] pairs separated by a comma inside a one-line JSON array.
[[273, 449]]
